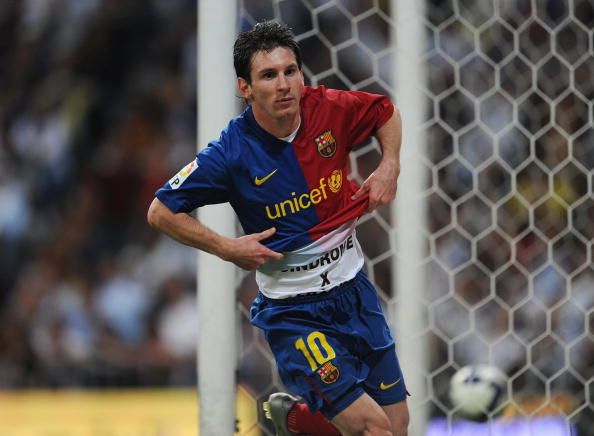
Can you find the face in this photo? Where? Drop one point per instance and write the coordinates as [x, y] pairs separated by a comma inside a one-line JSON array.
[[277, 84]]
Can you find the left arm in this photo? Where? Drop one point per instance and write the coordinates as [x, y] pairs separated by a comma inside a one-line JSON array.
[[382, 183]]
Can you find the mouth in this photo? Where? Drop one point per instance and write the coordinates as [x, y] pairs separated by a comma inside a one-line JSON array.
[[285, 100]]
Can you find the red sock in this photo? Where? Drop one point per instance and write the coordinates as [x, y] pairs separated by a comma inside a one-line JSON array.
[[300, 420]]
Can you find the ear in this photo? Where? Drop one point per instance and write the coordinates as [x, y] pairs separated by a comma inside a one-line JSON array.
[[244, 88]]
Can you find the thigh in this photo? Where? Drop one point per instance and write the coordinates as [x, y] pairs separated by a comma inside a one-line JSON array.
[[315, 360], [363, 415], [318, 344], [318, 366], [398, 416], [385, 382]]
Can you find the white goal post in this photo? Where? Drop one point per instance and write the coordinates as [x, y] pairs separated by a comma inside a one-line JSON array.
[[217, 314], [409, 209]]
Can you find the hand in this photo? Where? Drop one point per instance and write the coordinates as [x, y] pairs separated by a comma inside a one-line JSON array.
[[248, 253], [381, 185]]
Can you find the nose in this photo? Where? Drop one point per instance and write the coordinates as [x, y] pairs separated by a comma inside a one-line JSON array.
[[282, 82]]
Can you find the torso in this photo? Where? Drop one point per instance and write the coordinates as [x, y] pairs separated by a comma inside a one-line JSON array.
[[299, 187]]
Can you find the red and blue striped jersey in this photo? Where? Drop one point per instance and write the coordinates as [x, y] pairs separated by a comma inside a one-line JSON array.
[[298, 187]]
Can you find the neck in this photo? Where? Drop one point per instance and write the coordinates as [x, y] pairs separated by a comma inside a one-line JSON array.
[[278, 127]]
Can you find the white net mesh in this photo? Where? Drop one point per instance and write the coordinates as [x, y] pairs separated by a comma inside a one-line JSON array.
[[509, 187]]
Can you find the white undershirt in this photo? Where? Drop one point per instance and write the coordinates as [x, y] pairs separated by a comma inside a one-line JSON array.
[[318, 267], [293, 133]]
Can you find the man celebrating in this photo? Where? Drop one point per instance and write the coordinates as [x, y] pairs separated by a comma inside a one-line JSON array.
[[282, 165]]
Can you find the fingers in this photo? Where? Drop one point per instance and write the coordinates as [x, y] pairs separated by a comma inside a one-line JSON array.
[[361, 191], [257, 261], [265, 234], [379, 196], [376, 201], [372, 205], [273, 255], [265, 252]]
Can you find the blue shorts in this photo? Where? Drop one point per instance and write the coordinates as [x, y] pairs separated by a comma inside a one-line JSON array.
[[332, 348]]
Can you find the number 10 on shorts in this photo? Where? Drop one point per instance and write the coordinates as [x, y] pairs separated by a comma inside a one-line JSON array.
[[316, 349]]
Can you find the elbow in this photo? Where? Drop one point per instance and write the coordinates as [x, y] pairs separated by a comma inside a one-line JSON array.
[[153, 216], [397, 115]]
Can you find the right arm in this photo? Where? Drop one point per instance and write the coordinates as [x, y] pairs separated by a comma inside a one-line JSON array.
[[246, 251]]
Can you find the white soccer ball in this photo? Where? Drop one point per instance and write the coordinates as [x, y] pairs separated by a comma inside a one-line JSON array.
[[477, 390]]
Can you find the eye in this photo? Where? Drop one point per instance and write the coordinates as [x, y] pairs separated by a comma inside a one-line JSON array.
[[268, 75], [291, 71]]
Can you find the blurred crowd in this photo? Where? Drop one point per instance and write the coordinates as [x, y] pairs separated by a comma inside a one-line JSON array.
[[97, 110]]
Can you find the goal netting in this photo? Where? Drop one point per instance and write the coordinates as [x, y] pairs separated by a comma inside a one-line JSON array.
[[508, 178]]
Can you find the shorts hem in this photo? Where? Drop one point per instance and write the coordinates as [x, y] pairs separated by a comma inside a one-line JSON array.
[[331, 410], [387, 401]]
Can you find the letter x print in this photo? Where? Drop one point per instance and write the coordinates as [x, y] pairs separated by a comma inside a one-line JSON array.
[[325, 280]]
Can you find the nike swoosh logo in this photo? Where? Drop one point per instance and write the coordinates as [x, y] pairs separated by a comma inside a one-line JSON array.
[[383, 386], [259, 182]]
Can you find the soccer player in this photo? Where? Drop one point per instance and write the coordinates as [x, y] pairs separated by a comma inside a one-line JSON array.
[[282, 165]]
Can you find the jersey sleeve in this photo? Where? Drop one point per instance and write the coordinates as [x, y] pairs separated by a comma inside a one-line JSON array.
[[368, 112], [205, 180]]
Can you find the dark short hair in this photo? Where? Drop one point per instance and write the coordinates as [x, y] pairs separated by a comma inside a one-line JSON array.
[[264, 36]]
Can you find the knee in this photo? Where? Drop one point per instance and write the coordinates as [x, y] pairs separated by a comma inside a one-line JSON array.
[[374, 425], [379, 425]]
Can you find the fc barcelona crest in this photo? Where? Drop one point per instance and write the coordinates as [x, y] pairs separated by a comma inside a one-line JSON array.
[[326, 144], [328, 373]]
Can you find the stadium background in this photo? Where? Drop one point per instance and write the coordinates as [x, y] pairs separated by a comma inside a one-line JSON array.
[[98, 108]]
